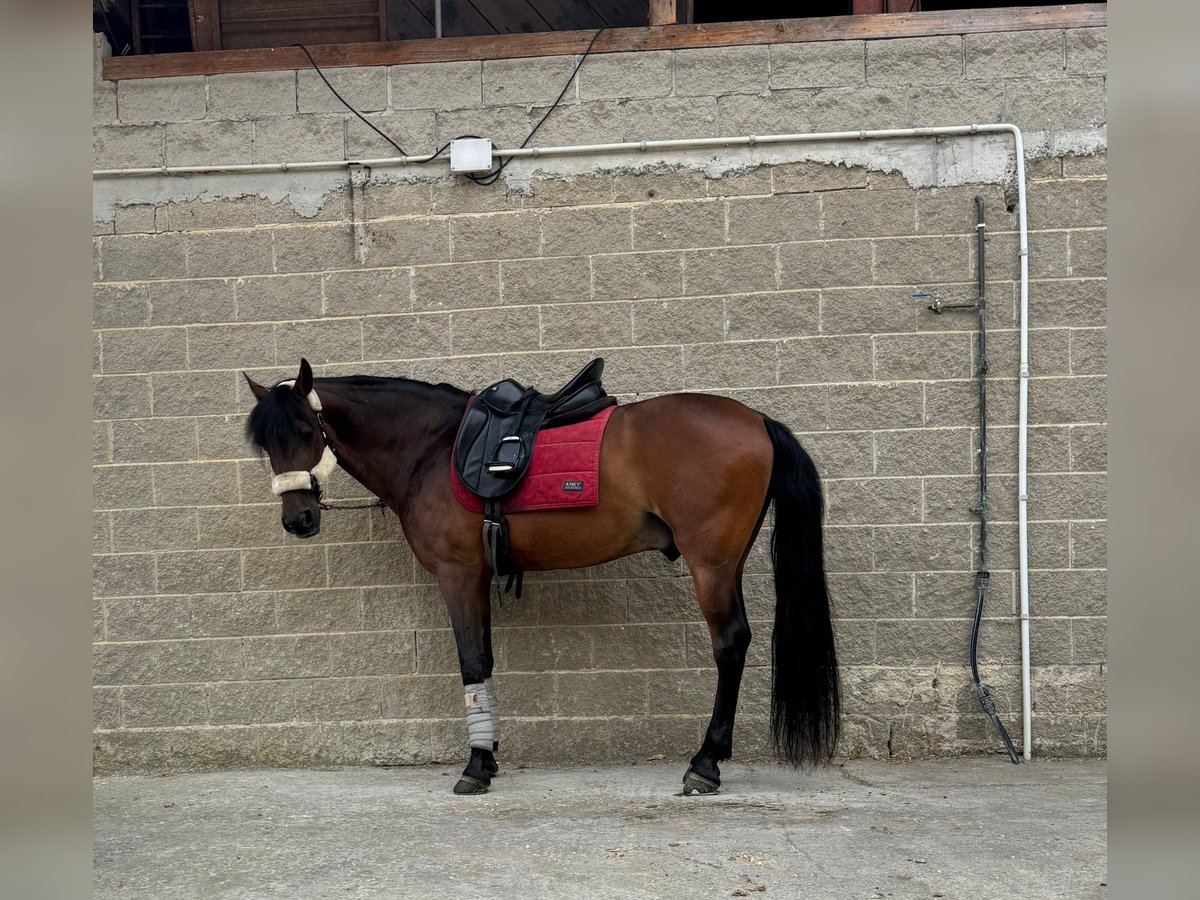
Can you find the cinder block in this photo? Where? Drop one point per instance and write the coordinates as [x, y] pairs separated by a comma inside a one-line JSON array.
[[136, 218], [317, 248], [127, 147], [209, 143], [575, 232], [844, 454], [733, 270], [400, 607], [604, 693], [372, 653], [195, 484], [555, 280], [406, 337], [851, 109], [153, 440], [123, 575], [1076, 303], [237, 527], [335, 340], [824, 264], [857, 406], [638, 646], [435, 651], [192, 301], [1089, 448], [406, 242], [299, 139], [101, 443], [106, 708], [254, 702], [625, 76], [678, 321], [229, 346], [414, 131], [386, 199], [519, 82], [1089, 544], [634, 276], [1089, 641], [602, 121], [586, 325], [283, 568], [496, 236], [370, 564], [731, 365], [104, 103], [301, 656], [251, 95], [368, 292], [924, 451], [494, 330], [1013, 54], [1087, 50], [1069, 496], [659, 184], [663, 226], [769, 220], [778, 112], [818, 64], [456, 286], [867, 213], [196, 394], [438, 86], [507, 126], [873, 501], [1056, 105], [168, 662], [140, 257], [232, 615], [718, 71], [805, 177], [120, 305], [146, 100], [921, 261], [277, 298], [339, 700], [741, 183], [220, 253], [867, 596], [922, 548], [772, 315], [122, 396], [320, 610], [205, 215], [969, 102], [915, 60], [951, 210], [1068, 204], [144, 350], [580, 190], [456, 195], [163, 705], [1082, 399], [813, 360], [364, 87], [923, 356], [848, 549]]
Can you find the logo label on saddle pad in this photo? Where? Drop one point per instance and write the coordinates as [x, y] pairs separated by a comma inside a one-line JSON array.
[[573, 486]]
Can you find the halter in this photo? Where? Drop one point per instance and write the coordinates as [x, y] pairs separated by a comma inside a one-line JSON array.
[[315, 478]]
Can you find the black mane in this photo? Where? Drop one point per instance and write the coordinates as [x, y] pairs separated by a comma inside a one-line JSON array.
[[276, 421]]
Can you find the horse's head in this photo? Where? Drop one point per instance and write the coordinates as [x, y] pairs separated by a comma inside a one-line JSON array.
[[286, 426]]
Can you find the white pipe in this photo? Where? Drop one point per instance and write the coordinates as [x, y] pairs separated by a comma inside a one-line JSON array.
[[750, 141]]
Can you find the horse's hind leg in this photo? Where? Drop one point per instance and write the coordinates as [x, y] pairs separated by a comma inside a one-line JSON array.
[[719, 591], [469, 604]]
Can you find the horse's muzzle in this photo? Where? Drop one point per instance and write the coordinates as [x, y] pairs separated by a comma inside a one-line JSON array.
[[303, 525]]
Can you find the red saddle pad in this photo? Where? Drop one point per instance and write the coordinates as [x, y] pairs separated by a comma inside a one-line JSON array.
[[565, 471]]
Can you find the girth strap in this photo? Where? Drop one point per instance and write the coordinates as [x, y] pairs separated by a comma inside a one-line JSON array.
[[496, 549]]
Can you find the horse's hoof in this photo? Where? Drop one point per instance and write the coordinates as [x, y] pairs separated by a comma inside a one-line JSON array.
[[493, 769], [699, 784], [468, 785]]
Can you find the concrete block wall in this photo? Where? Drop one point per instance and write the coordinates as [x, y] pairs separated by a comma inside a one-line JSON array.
[[222, 641]]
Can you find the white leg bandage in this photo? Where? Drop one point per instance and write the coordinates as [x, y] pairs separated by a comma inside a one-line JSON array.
[[483, 718]]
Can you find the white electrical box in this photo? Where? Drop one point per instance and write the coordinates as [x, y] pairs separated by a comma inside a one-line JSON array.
[[471, 155]]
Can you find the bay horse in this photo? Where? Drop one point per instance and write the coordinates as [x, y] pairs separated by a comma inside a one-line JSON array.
[[689, 474]]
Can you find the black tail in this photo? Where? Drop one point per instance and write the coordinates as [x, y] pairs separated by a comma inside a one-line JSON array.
[[805, 692]]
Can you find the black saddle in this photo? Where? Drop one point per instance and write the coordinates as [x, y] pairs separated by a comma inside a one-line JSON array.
[[495, 440], [494, 447]]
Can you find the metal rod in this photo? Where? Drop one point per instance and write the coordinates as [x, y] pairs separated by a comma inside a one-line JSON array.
[[437, 18]]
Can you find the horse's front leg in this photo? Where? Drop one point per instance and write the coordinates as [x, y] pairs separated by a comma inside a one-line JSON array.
[[469, 603]]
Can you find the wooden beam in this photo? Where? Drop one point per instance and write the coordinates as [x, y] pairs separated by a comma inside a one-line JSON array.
[[662, 12], [571, 43], [205, 19]]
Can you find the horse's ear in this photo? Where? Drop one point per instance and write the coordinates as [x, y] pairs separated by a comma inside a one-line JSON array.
[[304, 381], [258, 390]]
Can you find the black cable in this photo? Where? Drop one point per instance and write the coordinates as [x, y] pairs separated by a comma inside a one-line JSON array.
[[366, 122], [491, 177]]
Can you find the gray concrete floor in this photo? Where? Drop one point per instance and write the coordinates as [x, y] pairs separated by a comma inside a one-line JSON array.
[[974, 829]]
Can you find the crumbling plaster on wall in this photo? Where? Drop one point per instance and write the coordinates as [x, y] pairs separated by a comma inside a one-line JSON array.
[[922, 162]]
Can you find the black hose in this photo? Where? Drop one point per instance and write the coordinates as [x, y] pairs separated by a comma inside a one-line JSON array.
[[982, 576]]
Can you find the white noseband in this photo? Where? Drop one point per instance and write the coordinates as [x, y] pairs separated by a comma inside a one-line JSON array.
[[300, 480]]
